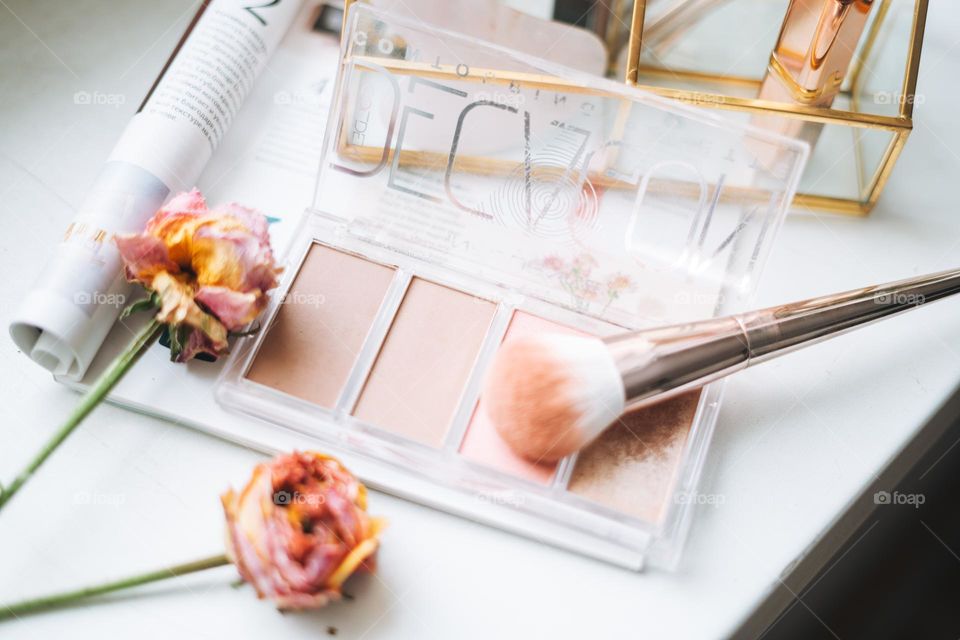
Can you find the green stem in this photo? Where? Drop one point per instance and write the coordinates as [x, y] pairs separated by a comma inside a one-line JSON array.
[[107, 380], [56, 600]]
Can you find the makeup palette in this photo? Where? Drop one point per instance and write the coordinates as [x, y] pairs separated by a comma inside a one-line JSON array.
[[469, 194]]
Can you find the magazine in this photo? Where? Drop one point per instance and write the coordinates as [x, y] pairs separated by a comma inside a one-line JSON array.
[[255, 139]]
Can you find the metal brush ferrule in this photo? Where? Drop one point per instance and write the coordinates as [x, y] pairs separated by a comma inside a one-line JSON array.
[[672, 359]]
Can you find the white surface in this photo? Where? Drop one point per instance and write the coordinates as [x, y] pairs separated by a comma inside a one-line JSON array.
[[797, 440]]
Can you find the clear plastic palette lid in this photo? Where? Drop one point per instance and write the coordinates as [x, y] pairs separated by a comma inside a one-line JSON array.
[[568, 187]]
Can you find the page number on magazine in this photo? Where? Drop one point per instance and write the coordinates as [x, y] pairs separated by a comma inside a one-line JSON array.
[[252, 8]]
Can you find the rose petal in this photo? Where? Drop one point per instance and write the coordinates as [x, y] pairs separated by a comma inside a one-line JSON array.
[[198, 342], [252, 219], [248, 533], [231, 259], [191, 202], [177, 307], [144, 256], [233, 308]]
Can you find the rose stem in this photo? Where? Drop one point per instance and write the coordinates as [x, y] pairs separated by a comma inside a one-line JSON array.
[[107, 380], [34, 605]]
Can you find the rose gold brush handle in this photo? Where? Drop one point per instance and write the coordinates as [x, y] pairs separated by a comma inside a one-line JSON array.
[[661, 362]]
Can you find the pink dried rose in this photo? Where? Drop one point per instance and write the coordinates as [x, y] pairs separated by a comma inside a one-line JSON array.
[[296, 532], [299, 529], [210, 269], [209, 272]]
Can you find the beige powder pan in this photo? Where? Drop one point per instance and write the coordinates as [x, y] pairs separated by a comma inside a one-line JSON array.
[[420, 374], [314, 340]]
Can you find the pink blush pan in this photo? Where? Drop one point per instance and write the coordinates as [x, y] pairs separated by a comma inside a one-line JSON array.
[[482, 443]]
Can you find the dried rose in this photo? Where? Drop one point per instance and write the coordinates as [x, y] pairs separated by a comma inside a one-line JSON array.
[[210, 268], [299, 529], [296, 532], [209, 272]]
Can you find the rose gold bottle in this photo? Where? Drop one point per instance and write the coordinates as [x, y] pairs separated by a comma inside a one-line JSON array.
[[810, 60]]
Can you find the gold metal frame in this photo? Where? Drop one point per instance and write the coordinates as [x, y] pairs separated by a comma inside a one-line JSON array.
[[900, 126]]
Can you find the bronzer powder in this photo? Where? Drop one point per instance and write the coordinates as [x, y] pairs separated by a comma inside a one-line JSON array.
[[632, 466], [419, 376], [482, 442], [314, 340]]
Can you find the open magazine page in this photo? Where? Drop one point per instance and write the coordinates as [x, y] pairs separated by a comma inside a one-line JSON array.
[[267, 160]]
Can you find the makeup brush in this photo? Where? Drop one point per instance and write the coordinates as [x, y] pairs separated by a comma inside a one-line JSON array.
[[551, 395]]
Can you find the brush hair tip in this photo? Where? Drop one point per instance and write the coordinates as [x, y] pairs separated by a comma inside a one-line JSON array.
[[549, 395]]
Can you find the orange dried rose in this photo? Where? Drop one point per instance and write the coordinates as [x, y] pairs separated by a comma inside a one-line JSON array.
[[210, 268], [299, 529]]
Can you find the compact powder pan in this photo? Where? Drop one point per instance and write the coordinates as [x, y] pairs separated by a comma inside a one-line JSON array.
[[482, 443], [632, 466], [313, 342], [419, 376]]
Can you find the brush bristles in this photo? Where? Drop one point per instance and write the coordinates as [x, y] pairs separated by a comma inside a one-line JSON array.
[[550, 395]]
